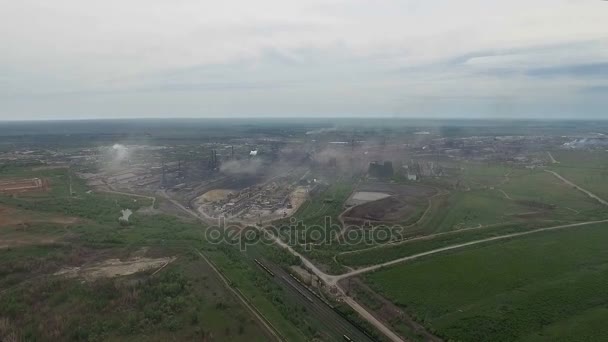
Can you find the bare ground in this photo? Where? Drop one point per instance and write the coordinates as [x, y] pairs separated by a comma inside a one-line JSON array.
[[114, 267]]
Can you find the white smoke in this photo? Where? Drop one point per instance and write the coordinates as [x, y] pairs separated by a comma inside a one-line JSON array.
[[121, 152], [115, 156]]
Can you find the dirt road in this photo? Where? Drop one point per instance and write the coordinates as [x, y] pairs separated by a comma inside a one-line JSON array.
[[552, 159], [267, 325], [587, 192], [448, 248]]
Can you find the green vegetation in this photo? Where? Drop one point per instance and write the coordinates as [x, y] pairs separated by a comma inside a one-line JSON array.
[[287, 317], [181, 302], [509, 291], [390, 252], [542, 188], [588, 169], [185, 301], [466, 209], [328, 203]]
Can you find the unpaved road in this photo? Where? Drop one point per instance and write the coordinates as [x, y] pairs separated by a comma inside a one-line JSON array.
[[371, 319], [587, 192], [267, 325], [332, 280], [461, 245], [505, 194], [419, 238], [552, 159]]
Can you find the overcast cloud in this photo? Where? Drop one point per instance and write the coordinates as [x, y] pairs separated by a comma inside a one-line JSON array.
[[405, 58]]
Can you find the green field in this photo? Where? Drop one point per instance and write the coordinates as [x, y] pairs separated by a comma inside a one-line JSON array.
[[587, 169], [542, 187], [185, 301], [531, 288], [381, 254]]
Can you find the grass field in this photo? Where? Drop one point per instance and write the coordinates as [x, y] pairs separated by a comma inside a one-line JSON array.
[[532, 288], [588, 169], [544, 188], [464, 209], [480, 175]]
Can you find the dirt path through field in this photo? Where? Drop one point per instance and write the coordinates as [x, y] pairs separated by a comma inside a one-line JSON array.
[[587, 192], [461, 245], [551, 157]]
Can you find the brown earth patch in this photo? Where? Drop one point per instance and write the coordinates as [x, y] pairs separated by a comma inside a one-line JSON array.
[[405, 200], [23, 185], [115, 267]]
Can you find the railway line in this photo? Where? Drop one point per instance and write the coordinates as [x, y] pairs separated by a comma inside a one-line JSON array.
[[336, 326]]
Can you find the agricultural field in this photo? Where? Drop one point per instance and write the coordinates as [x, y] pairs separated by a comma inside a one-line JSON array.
[[514, 290]]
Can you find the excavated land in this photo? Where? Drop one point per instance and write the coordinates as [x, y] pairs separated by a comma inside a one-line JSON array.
[[402, 202], [115, 267], [23, 185]]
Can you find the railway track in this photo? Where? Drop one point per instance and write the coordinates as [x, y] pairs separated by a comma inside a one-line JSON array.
[[335, 324]]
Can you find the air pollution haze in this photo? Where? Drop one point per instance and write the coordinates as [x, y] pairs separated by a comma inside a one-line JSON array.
[[242, 167]]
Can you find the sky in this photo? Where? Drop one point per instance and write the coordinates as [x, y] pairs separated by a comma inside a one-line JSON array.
[[82, 59]]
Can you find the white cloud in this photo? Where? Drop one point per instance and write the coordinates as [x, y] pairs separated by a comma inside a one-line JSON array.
[[122, 56]]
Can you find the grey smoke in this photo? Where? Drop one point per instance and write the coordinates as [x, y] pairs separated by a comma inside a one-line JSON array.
[[241, 167]]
